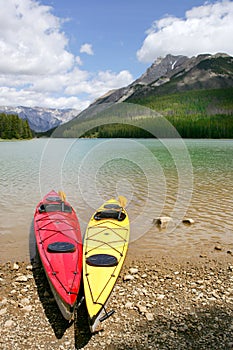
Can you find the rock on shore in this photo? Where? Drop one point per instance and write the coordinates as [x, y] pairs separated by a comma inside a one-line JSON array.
[[159, 304]]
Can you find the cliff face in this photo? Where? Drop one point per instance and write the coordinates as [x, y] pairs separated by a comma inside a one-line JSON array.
[[177, 73]]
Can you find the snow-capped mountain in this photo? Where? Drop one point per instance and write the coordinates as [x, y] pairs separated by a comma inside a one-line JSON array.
[[41, 119]]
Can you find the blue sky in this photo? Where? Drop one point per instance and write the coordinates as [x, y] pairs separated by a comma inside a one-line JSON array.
[[116, 29], [66, 53]]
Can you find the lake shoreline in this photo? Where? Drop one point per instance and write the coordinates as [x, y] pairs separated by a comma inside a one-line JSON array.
[[160, 302]]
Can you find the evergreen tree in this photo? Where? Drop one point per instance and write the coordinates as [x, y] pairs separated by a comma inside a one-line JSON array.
[[13, 127]]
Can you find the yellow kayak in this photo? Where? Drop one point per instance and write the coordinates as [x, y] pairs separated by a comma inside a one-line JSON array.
[[104, 249]]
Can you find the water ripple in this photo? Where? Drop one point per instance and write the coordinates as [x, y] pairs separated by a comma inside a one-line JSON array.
[[89, 177]]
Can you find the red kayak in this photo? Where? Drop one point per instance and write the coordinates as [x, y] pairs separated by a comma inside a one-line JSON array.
[[59, 243]]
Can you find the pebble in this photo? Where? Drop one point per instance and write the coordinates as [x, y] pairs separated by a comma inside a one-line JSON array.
[[15, 267], [160, 297], [149, 316], [128, 278], [27, 308], [21, 279], [169, 305], [128, 305], [9, 323], [46, 294], [3, 311], [142, 309], [25, 301]]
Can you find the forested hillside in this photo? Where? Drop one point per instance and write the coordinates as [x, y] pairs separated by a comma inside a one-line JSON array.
[[194, 114], [194, 94], [12, 127], [197, 113]]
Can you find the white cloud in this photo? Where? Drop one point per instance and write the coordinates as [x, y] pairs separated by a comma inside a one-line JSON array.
[[205, 29], [36, 67], [87, 48], [78, 60], [98, 84], [31, 40], [27, 97]]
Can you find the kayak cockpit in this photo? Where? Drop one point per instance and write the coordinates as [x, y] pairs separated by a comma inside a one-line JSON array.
[[53, 207], [110, 214], [61, 247], [102, 260]]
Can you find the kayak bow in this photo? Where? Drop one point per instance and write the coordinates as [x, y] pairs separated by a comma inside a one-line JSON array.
[[104, 250], [59, 244]]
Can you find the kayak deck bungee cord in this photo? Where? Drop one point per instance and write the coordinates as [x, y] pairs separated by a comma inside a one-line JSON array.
[[59, 244], [104, 250]]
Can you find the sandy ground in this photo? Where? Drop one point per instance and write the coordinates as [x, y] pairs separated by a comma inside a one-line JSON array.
[[160, 302]]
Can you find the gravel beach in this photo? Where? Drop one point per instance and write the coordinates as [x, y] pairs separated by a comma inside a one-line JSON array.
[[159, 303]]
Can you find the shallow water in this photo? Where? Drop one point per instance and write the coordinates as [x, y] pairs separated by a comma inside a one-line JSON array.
[[170, 178]]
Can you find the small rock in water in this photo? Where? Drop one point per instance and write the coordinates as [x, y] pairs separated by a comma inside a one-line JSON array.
[[203, 256], [188, 221], [162, 221]]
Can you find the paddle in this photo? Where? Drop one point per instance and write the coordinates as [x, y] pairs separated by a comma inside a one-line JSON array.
[[62, 195], [122, 200], [63, 198]]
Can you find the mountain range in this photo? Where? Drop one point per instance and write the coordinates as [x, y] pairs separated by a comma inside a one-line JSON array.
[[176, 74], [194, 94], [206, 80], [41, 119]]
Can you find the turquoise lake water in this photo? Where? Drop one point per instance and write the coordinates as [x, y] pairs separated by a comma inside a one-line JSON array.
[[175, 178]]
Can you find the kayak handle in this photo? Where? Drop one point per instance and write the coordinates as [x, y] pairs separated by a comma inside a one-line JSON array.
[[107, 315]]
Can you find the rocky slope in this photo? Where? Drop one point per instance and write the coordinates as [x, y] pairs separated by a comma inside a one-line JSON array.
[[41, 119], [177, 73]]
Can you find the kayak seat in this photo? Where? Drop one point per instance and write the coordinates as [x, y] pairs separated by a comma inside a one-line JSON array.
[[110, 214], [61, 247], [48, 208], [112, 206], [102, 260], [53, 199]]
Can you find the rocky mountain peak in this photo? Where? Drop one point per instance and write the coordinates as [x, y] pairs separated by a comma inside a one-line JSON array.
[[41, 119], [177, 73], [161, 67]]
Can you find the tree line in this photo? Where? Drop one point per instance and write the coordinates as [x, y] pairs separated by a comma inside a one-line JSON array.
[[13, 127], [218, 126]]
